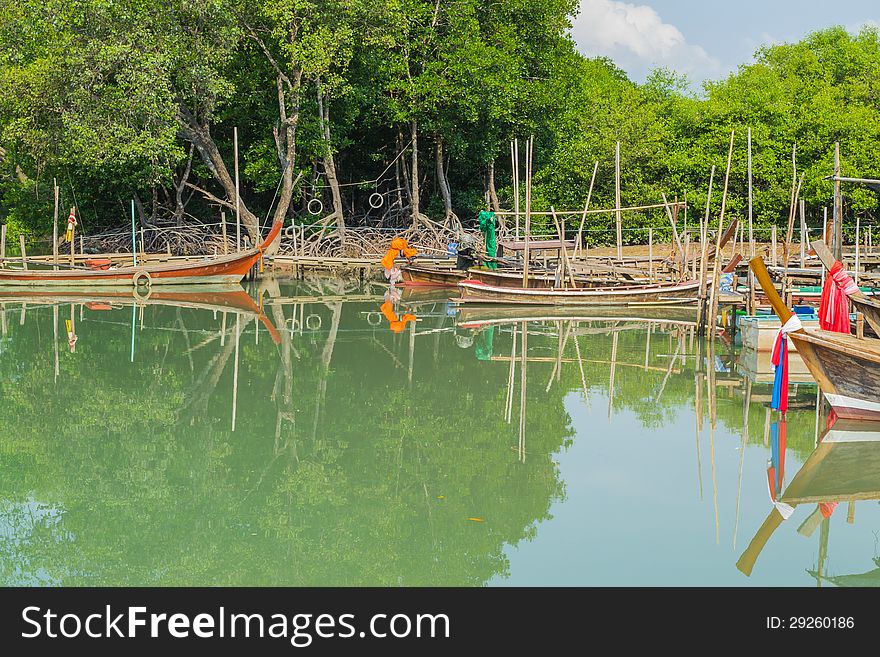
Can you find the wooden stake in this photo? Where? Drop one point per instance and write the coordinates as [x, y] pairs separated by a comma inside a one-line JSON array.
[[223, 230], [23, 252], [560, 229], [55, 226], [751, 234], [651, 254], [528, 211], [586, 208], [773, 242], [617, 200], [804, 238], [858, 230], [716, 271], [837, 211], [72, 243], [704, 253], [237, 195], [3, 245]]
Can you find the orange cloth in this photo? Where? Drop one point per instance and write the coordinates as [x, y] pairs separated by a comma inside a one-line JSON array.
[[395, 323], [398, 246]]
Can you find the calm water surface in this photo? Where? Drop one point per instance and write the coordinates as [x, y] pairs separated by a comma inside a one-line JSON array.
[[340, 441]]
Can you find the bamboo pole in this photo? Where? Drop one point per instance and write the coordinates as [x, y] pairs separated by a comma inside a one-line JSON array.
[[858, 230], [223, 230], [824, 237], [72, 240], [773, 245], [749, 166], [3, 244], [651, 254], [23, 252], [515, 171], [614, 339], [55, 225], [522, 392], [804, 237], [235, 370], [560, 229], [716, 270], [528, 211], [237, 193], [837, 213], [618, 222], [586, 209], [704, 253]]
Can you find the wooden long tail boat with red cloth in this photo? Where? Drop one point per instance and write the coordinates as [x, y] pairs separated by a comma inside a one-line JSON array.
[[226, 269], [231, 298], [846, 368], [864, 304], [660, 294]]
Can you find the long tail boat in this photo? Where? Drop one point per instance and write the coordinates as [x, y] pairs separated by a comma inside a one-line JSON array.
[[844, 467], [661, 294], [846, 368], [231, 298], [868, 306], [416, 276], [223, 269]]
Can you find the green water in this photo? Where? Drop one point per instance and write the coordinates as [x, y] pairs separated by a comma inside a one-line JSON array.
[[365, 456]]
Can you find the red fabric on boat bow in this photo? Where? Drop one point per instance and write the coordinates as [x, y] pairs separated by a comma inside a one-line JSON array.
[[834, 306]]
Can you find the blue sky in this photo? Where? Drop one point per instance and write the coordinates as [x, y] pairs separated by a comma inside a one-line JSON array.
[[705, 39]]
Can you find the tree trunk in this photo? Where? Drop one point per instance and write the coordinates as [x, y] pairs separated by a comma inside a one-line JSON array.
[[414, 174], [329, 162], [442, 183], [493, 195]]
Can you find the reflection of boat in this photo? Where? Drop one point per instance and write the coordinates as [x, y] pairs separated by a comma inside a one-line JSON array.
[[224, 269], [758, 368], [231, 298], [844, 467], [416, 276], [846, 368], [631, 295], [473, 316]]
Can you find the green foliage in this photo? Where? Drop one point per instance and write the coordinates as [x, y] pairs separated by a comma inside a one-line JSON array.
[[93, 92]]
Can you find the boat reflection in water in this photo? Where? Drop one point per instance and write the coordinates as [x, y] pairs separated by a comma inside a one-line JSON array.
[[844, 468]]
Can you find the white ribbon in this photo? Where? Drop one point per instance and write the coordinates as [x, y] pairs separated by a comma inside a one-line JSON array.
[[793, 324]]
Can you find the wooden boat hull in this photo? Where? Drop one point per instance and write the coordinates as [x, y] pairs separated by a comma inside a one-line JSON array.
[[636, 295], [431, 276], [229, 269], [847, 372]]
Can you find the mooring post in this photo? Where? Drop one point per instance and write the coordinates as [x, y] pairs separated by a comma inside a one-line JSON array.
[[23, 252]]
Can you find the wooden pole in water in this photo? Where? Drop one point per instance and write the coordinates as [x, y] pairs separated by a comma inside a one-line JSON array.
[[837, 213], [55, 340], [522, 392], [617, 201], [72, 239], [237, 195], [3, 244], [508, 402], [586, 208], [858, 230], [23, 252], [515, 170], [751, 234], [824, 237], [716, 270], [804, 237], [235, 369], [133, 233], [528, 211], [560, 229], [55, 226], [223, 231], [704, 253], [611, 376], [773, 245], [651, 255]]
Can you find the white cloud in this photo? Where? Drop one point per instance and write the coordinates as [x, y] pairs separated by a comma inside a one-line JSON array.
[[637, 39]]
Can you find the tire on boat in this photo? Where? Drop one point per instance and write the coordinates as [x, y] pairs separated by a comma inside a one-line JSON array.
[[142, 278]]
